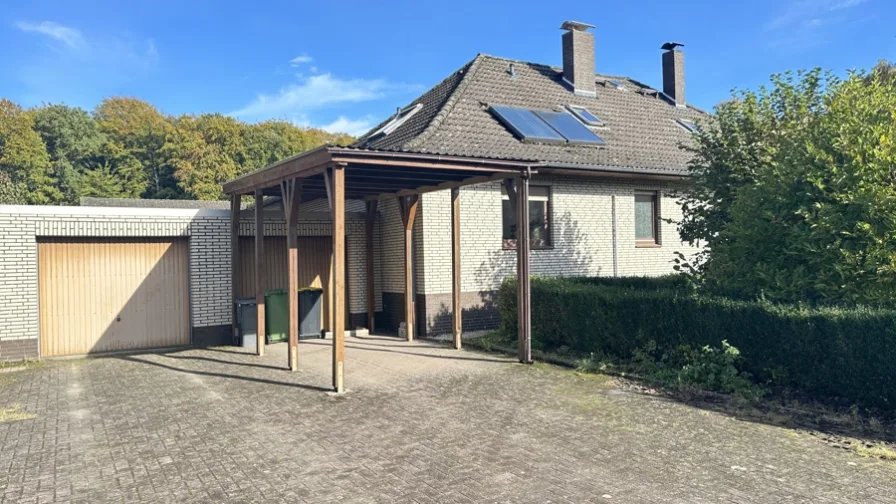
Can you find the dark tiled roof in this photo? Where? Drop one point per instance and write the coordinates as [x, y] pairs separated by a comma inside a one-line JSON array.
[[641, 132]]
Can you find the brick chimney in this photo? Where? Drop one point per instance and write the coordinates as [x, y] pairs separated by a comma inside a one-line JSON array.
[[673, 73], [578, 57]]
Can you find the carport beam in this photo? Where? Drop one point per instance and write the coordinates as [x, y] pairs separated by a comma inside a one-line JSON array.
[[291, 192], [523, 276], [371, 287], [234, 262], [338, 212], [408, 207], [259, 270], [456, 321]]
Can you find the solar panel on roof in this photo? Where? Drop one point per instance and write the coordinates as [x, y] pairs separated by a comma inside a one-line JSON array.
[[525, 124], [572, 130]]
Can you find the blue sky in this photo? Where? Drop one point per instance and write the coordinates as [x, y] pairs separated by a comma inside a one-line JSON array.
[[346, 65]]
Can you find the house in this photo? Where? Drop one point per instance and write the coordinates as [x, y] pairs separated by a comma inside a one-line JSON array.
[[596, 158], [600, 201]]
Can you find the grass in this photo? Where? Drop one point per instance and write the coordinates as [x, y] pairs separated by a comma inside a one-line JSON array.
[[877, 451], [14, 414], [24, 364]]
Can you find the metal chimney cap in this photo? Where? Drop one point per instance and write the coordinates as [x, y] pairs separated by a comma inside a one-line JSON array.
[[670, 46], [575, 26]]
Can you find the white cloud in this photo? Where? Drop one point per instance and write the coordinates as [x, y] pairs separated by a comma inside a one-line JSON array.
[[300, 60], [318, 91], [801, 12], [354, 127], [68, 36], [800, 24]]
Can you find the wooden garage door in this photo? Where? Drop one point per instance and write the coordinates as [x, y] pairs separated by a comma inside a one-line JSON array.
[[109, 295], [314, 267]]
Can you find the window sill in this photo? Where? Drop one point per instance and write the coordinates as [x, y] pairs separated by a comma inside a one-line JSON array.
[[647, 244], [512, 246]]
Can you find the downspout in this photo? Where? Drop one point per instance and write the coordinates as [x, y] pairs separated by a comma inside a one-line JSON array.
[[615, 247]]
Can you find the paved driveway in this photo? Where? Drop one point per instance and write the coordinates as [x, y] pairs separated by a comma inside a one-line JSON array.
[[420, 423]]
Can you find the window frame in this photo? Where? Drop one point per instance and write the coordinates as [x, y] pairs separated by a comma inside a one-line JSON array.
[[510, 243], [398, 119], [576, 111], [654, 241]]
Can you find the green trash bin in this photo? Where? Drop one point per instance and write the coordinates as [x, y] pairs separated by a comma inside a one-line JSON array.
[[276, 315]]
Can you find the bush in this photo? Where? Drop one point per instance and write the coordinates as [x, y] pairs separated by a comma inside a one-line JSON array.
[[825, 351], [674, 282]]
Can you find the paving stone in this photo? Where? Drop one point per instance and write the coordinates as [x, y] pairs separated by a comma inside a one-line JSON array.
[[420, 423]]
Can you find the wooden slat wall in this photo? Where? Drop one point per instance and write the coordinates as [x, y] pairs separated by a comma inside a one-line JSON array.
[[103, 295], [314, 267]]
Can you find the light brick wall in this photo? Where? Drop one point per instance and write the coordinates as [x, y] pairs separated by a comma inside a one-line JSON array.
[[209, 260], [582, 235]]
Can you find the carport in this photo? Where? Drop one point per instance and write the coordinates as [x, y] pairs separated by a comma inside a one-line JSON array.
[[341, 173]]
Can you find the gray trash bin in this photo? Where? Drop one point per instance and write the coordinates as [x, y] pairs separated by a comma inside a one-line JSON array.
[[247, 318], [309, 313]]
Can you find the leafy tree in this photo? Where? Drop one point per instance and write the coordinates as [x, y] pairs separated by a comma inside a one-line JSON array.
[[795, 190], [137, 130], [73, 143], [206, 151], [11, 193], [270, 141], [23, 158]]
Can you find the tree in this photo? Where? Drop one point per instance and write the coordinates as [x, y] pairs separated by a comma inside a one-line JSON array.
[[206, 151], [270, 141], [795, 190], [73, 142], [137, 129], [23, 158]]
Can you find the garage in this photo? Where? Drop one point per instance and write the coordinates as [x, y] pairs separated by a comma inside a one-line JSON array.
[[107, 295]]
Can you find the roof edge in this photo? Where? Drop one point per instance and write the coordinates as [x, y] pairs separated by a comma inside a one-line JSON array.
[[448, 106]]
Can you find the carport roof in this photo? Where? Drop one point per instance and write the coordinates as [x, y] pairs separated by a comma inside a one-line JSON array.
[[376, 174]]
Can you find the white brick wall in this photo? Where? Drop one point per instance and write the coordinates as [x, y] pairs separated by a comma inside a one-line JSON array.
[[581, 222], [209, 234]]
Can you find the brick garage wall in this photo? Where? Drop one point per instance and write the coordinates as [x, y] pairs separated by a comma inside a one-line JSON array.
[[210, 285], [582, 212]]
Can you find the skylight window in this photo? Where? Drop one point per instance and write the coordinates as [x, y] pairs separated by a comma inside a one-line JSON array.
[[545, 126], [400, 117], [617, 84], [585, 115], [689, 125]]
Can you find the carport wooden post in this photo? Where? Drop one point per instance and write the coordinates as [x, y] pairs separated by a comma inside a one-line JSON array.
[[291, 193], [234, 261], [523, 277], [371, 289], [259, 270], [456, 322], [338, 207], [408, 207]]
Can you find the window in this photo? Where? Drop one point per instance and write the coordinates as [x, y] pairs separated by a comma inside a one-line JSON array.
[[689, 125], [398, 119], [585, 115], [646, 218], [617, 84], [539, 218]]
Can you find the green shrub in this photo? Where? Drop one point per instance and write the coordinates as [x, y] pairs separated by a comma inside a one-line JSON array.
[[824, 351], [675, 282]]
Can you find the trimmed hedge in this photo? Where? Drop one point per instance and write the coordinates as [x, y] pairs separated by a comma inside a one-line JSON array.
[[674, 282], [846, 353]]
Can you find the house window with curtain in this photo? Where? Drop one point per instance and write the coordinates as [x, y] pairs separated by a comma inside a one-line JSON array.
[[646, 219], [539, 218]]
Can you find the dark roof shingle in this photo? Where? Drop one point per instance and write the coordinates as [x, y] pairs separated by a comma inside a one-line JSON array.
[[641, 131]]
